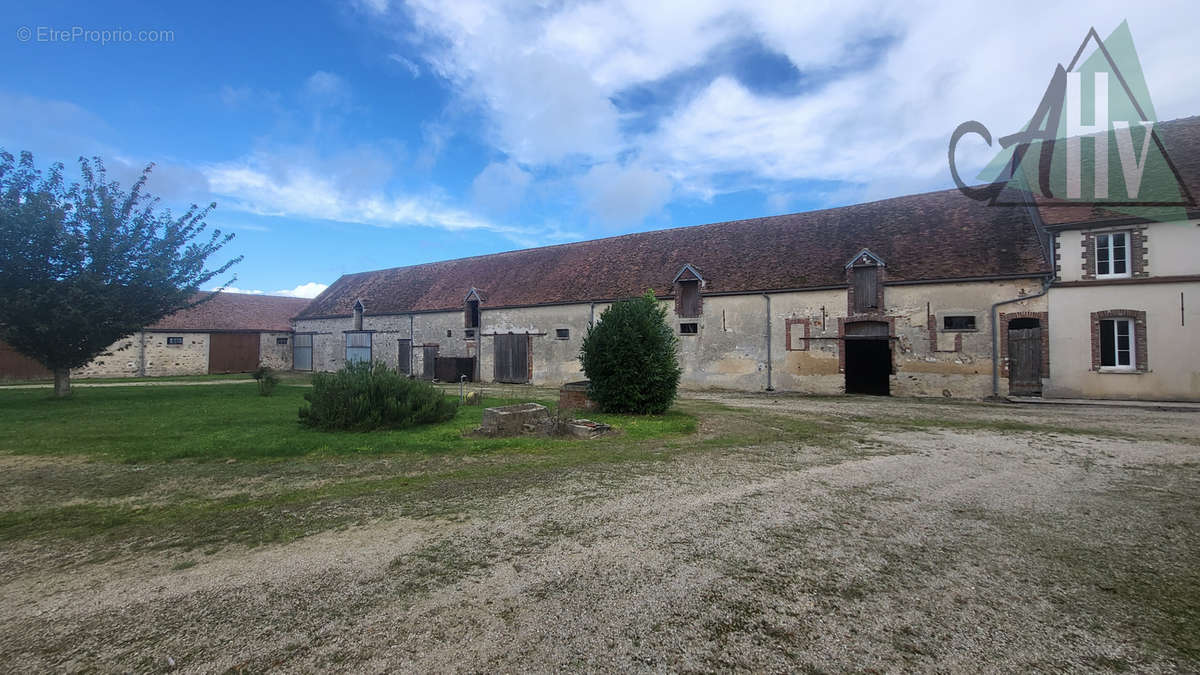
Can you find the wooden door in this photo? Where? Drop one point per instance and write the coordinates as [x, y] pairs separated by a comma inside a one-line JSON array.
[[1025, 361], [511, 362], [429, 362], [404, 358], [16, 366], [233, 352]]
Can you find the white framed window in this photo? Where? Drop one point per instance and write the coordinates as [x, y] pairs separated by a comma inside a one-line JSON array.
[[1117, 349], [1112, 255]]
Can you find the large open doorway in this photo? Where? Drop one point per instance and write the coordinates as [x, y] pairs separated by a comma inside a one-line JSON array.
[[868, 358], [1025, 357]]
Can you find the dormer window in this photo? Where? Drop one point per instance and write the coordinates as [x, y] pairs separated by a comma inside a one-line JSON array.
[[865, 275], [358, 315], [688, 301], [471, 310]]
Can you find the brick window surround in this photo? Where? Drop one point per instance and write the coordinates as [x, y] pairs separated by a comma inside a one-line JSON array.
[[1141, 358], [1138, 252], [1043, 320], [797, 325]]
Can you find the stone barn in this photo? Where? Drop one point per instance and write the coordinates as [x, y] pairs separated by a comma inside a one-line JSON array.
[[887, 297], [231, 333]]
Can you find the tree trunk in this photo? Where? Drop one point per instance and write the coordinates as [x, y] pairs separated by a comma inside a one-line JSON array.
[[62, 382]]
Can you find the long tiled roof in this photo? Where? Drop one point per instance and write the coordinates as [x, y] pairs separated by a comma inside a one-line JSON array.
[[236, 311], [938, 235]]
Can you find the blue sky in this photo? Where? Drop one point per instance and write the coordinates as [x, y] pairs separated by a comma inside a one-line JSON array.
[[338, 137]]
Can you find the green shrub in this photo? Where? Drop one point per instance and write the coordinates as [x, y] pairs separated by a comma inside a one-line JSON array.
[[366, 396], [267, 379], [629, 357]]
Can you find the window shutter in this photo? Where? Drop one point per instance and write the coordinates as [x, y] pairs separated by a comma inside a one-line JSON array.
[[866, 289]]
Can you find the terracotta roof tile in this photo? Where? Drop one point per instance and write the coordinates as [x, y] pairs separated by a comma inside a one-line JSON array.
[[1180, 138], [938, 235], [236, 311]]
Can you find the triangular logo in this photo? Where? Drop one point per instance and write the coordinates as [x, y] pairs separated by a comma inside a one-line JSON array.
[[1091, 143]]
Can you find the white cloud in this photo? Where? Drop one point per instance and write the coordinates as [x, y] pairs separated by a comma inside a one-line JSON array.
[[886, 86], [407, 63], [234, 289], [327, 88], [620, 196], [309, 290], [500, 187], [349, 188]]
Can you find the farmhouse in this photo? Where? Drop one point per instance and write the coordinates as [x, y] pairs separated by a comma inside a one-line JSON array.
[[230, 333], [926, 295]]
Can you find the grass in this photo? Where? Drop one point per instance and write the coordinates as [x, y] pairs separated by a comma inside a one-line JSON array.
[[217, 422], [207, 465]]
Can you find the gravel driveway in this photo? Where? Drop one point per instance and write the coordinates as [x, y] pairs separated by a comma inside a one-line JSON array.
[[931, 536]]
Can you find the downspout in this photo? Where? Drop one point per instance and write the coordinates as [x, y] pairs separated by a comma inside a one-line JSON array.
[[768, 299], [412, 344], [142, 354], [592, 315]]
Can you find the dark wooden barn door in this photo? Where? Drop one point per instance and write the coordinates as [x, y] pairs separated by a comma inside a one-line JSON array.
[[512, 358], [17, 366], [1025, 361], [232, 352], [429, 362], [404, 357]]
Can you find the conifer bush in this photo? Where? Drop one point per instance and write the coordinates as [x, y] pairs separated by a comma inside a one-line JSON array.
[[629, 358], [367, 396]]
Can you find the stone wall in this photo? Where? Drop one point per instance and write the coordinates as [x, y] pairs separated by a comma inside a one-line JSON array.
[[728, 348], [190, 358], [275, 355]]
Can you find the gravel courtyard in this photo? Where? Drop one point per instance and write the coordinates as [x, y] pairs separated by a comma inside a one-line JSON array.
[[788, 534]]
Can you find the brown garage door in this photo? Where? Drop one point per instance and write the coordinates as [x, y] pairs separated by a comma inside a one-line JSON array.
[[232, 352], [17, 366]]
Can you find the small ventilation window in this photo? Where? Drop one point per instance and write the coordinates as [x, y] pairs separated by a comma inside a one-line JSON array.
[[469, 333], [958, 322], [281, 341], [562, 333], [449, 333], [175, 340], [689, 328]]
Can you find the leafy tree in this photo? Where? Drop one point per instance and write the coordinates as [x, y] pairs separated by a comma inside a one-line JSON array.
[[85, 265], [629, 357]]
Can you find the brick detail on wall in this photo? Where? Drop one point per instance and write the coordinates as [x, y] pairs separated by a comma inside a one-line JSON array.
[[1044, 321], [856, 318], [932, 328], [800, 325], [1139, 252], [1139, 336]]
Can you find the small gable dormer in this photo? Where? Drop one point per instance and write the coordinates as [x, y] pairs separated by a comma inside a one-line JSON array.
[[688, 285], [864, 274], [358, 314], [471, 308]]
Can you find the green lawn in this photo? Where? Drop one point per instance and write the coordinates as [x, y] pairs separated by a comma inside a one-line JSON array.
[[146, 424]]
